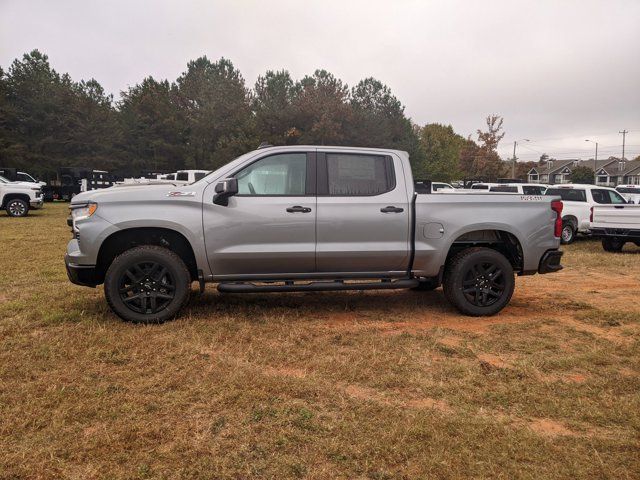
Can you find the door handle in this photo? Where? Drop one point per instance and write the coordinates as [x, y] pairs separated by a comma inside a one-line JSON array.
[[392, 209], [298, 209]]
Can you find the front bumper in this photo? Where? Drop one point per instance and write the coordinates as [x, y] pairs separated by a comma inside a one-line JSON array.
[[37, 203], [550, 262], [84, 275]]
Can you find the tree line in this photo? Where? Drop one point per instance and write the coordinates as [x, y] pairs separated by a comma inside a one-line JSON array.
[[208, 116]]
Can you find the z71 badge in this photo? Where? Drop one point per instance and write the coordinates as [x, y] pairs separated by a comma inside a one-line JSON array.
[[181, 194]]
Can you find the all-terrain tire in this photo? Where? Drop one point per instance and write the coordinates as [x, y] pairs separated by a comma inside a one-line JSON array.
[[568, 234], [612, 244], [479, 281], [426, 285], [147, 271], [17, 207]]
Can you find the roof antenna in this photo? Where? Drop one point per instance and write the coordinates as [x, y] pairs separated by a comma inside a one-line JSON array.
[[264, 145]]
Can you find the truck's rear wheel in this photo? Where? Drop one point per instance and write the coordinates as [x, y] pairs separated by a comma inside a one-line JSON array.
[[17, 208], [612, 244], [568, 234], [147, 284], [479, 281]]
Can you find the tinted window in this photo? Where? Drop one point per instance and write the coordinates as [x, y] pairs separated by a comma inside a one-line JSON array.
[[283, 174], [477, 186], [350, 174], [628, 190], [567, 194], [171, 177], [529, 190], [183, 176], [199, 175], [504, 189], [607, 197]]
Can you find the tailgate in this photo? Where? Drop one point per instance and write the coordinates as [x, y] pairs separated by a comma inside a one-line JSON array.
[[616, 216]]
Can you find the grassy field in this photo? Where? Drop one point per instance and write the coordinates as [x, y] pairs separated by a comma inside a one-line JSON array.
[[379, 385]]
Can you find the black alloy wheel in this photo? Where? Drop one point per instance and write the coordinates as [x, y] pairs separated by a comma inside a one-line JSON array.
[[479, 281], [147, 284], [147, 287], [483, 284]]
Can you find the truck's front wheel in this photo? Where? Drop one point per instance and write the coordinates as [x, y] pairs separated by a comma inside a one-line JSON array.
[[17, 208], [479, 281], [147, 284]]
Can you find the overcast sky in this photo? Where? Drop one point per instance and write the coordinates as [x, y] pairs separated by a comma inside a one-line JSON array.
[[558, 71]]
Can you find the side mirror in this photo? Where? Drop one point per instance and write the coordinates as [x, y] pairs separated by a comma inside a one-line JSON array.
[[225, 189]]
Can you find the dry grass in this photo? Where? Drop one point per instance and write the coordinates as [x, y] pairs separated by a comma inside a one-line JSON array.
[[374, 385]]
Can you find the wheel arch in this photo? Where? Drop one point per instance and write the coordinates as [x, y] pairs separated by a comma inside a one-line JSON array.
[[123, 240], [500, 240], [13, 196]]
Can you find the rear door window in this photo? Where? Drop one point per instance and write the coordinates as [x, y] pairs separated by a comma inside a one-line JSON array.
[[568, 194], [182, 176], [354, 174]]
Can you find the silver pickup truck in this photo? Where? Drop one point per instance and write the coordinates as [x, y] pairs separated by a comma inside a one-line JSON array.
[[302, 218]]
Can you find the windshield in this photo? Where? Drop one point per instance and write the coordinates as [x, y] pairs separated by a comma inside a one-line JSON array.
[[3, 180], [628, 189]]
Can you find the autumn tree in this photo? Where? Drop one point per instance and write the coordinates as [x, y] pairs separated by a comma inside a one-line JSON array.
[[481, 160]]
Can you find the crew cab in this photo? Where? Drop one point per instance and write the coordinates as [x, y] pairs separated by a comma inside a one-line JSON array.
[[18, 197], [577, 200], [616, 225], [302, 218]]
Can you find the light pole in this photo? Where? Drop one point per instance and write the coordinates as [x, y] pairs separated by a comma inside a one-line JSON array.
[[513, 165], [595, 162]]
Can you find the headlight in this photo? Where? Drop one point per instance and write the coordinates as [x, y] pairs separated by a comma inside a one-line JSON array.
[[82, 211]]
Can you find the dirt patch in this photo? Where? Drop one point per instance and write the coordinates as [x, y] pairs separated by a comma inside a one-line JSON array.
[[549, 428]]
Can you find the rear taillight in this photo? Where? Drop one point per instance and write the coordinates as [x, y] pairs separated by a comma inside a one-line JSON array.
[[591, 215], [556, 206]]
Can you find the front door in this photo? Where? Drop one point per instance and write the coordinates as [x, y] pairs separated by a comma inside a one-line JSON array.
[[268, 228], [363, 214]]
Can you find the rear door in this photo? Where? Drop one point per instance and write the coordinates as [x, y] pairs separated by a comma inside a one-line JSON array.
[[363, 213]]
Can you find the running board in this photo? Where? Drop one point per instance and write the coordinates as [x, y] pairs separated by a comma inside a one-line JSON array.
[[290, 286]]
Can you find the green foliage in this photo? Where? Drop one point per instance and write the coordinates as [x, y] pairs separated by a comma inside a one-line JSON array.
[[582, 174], [481, 160], [441, 147]]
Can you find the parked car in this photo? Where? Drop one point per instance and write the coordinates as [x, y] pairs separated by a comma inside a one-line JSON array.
[[577, 201], [17, 198], [441, 187], [631, 193], [307, 218], [185, 177], [14, 175], [616, 225], [521, 188]]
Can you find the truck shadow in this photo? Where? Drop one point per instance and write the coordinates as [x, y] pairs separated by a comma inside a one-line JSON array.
[[316, 305]]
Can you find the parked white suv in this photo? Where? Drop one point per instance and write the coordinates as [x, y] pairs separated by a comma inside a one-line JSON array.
[[18, 197], [577, 201]]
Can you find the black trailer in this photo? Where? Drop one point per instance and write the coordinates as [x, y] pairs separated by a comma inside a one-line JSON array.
[[71, 181]]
